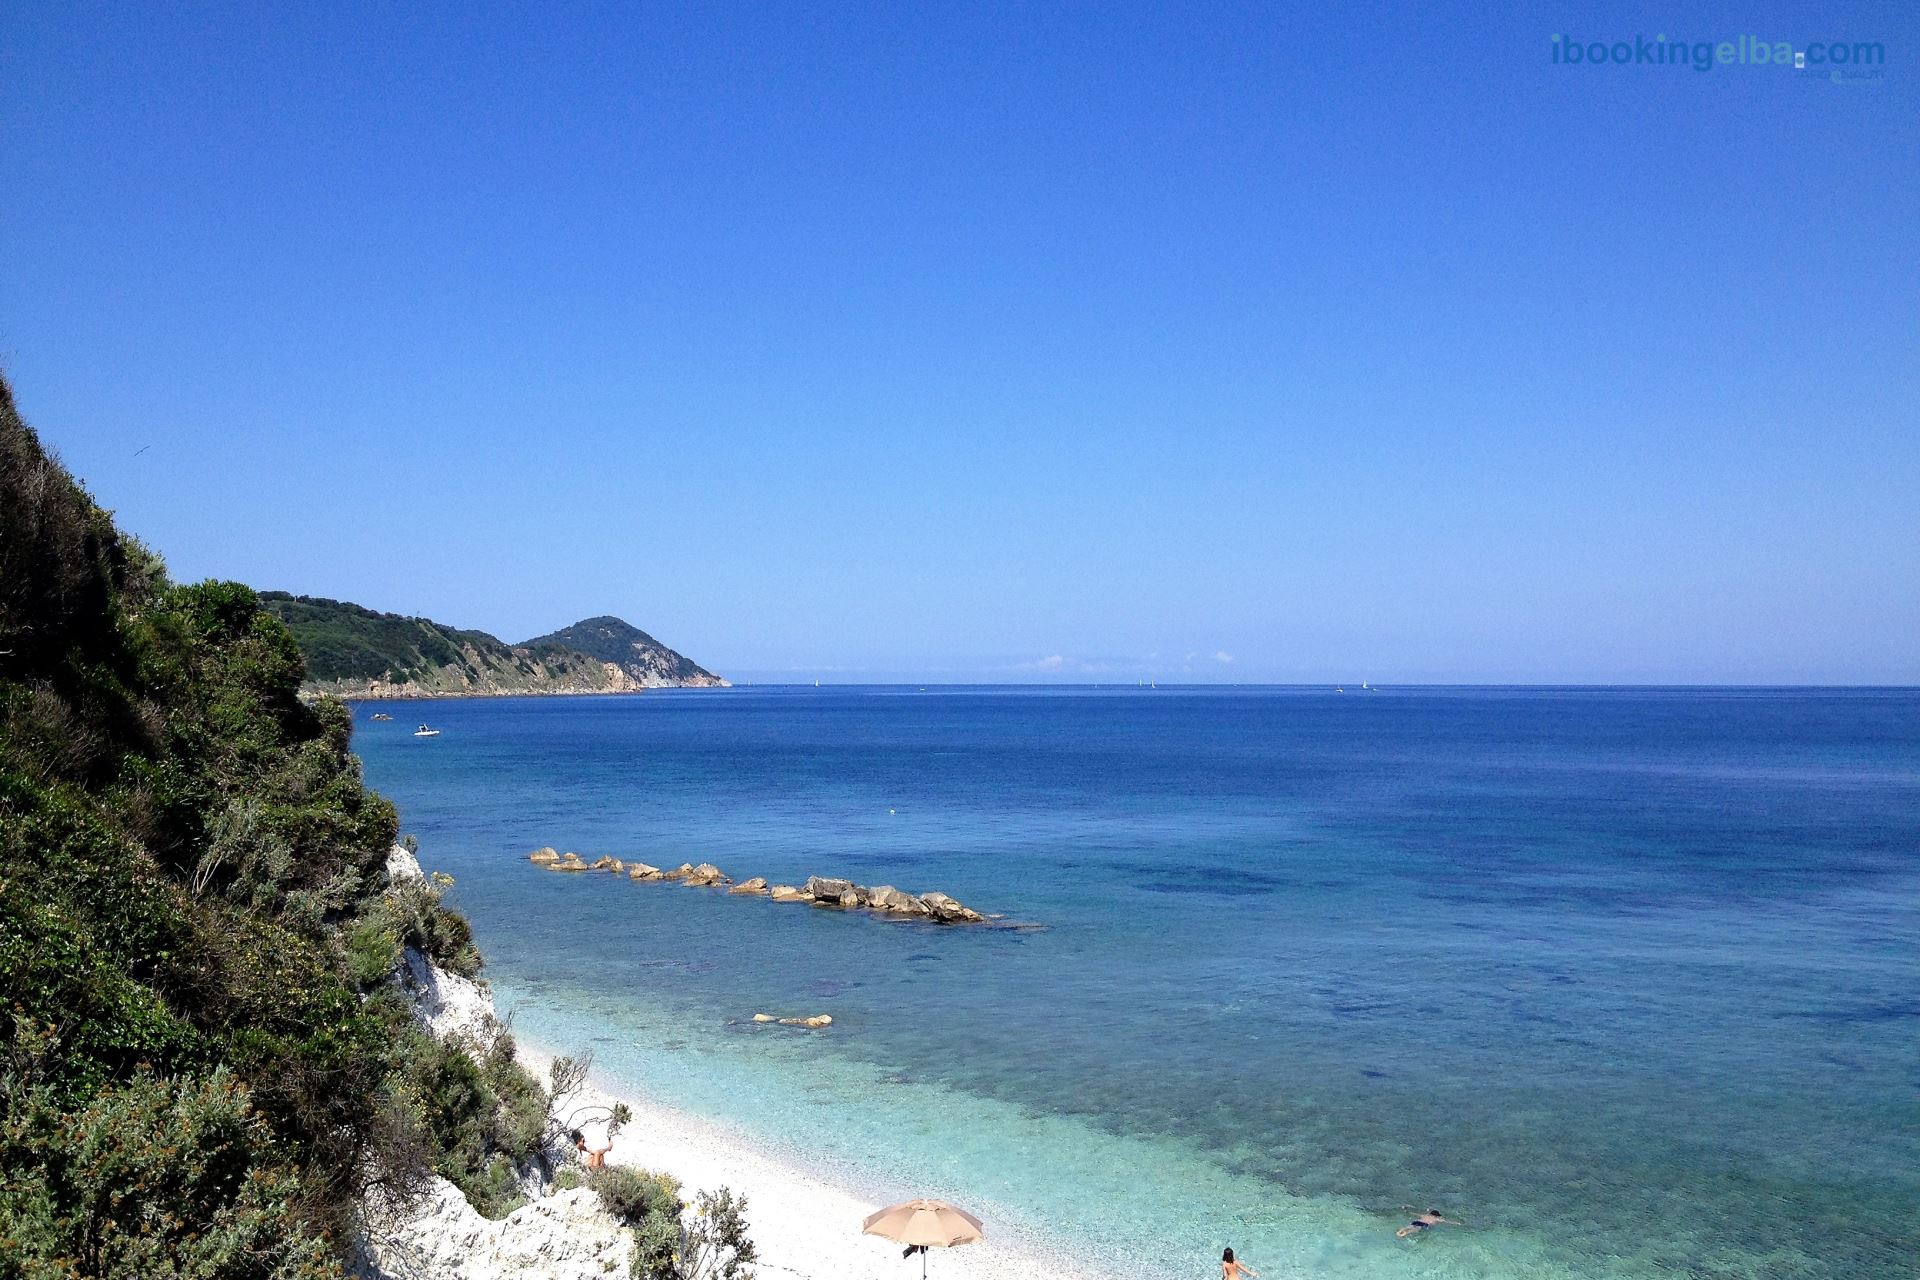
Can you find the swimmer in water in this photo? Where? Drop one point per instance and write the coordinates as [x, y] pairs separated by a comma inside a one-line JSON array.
[[1233, 1270], [1431, 1218]]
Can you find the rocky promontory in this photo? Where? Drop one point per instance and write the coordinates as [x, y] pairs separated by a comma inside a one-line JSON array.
[[820, 891], [355, 652]]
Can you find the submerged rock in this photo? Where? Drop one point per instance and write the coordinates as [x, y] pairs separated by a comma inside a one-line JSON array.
[[817, 1020], [948, 911]]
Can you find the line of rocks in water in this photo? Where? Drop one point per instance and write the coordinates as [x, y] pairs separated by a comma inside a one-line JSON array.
[[819, 891]]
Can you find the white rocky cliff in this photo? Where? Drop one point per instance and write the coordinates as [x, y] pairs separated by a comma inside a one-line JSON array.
[[560, 1235]]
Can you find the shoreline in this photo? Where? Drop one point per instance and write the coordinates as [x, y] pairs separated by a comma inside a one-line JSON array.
[[804, 1224], [429, 695]]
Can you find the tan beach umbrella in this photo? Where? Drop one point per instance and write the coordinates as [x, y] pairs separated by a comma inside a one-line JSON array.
[[931, 1224]]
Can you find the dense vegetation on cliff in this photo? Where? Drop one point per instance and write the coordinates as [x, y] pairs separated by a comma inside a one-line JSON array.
[[203, 1066], [354, 650], [342, 641]]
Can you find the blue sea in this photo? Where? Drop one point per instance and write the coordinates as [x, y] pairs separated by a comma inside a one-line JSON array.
[[1627, 980]]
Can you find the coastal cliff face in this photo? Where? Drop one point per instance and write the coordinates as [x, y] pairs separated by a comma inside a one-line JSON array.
[[559, 1234], [354, 652], [206, 1070], [210, 1069], [563, 1236]]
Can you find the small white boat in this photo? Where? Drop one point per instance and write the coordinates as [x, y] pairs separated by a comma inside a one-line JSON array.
[[424, 732]]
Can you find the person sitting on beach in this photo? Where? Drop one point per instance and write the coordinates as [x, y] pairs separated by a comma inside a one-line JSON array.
[[595, 1157], [1431, 1218], [1231, 1269]]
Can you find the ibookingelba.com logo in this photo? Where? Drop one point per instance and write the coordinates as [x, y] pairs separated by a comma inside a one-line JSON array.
[[1852, 56]]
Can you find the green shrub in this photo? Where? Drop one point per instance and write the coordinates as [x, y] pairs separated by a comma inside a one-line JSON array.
[[373, 949], [716, 1245], [656, 1248], [649, 1204], [492, 1190], [418, 918], [153, 1178], [484, 1115], [632, 1195], [522, 1109]]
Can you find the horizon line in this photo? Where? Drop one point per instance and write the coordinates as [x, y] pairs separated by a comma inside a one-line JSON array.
[[1254, 684]]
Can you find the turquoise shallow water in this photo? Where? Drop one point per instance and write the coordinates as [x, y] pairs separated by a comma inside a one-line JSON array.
[[1623, 978]]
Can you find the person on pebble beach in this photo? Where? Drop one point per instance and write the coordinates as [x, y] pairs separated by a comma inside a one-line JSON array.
[[595, 1157]]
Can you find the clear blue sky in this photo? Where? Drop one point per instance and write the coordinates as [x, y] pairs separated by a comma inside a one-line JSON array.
[[1101, 343]]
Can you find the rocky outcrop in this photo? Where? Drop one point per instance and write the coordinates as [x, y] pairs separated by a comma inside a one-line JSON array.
[[445, 1003], [887, 898], [564, 1236], [833, 892], [402, 865], [948, 911], [826, 888], [827, 891]]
